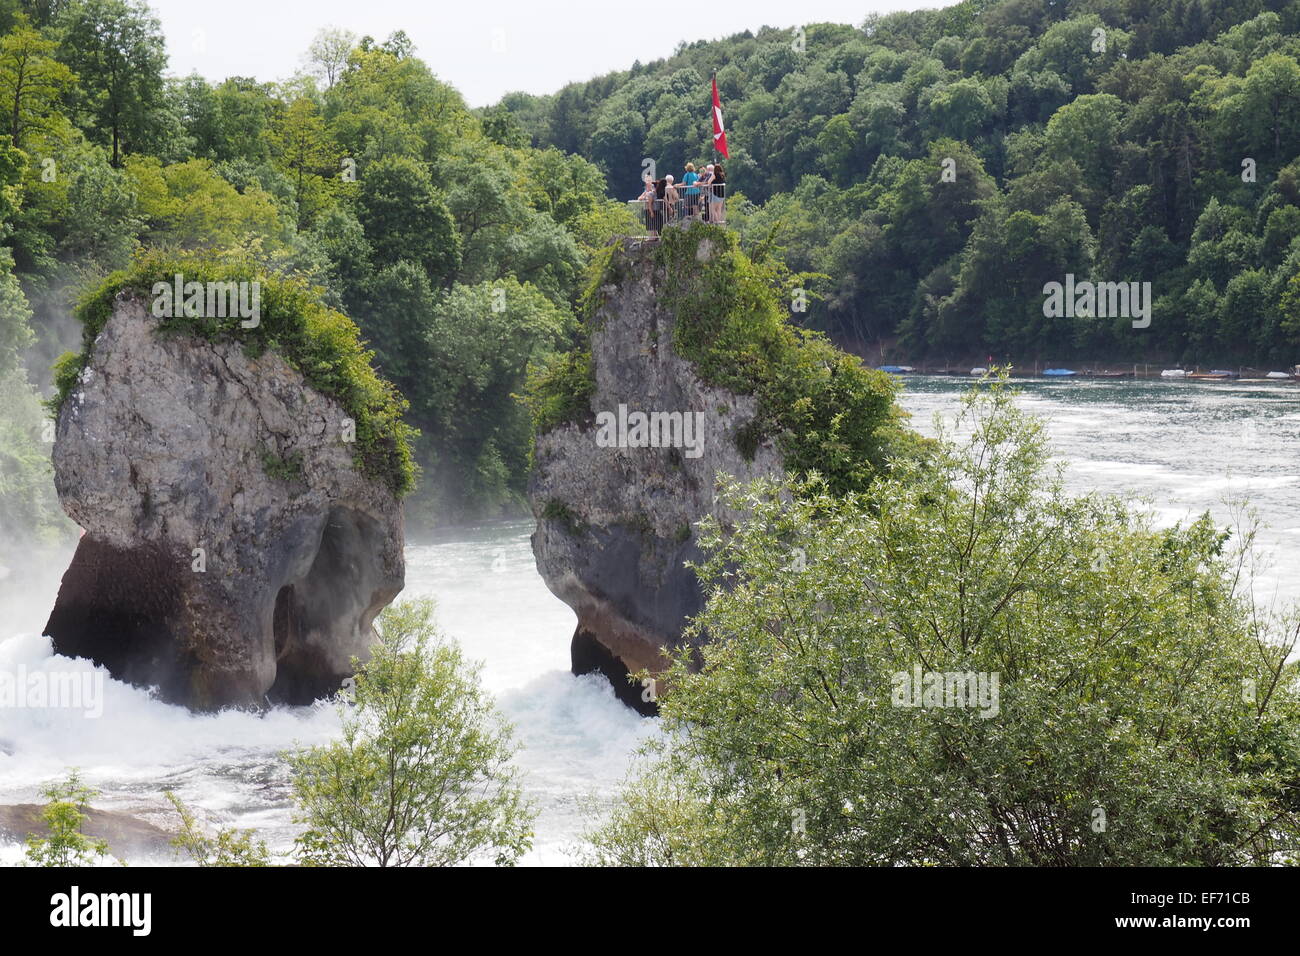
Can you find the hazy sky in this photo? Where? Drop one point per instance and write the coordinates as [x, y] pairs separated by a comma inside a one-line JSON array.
[[483, 49]]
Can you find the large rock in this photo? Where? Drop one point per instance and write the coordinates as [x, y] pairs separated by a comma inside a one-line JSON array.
[[233, 555], [615, 526], [125, 834]]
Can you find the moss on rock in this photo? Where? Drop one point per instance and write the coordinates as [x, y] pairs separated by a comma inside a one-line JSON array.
[[827, 411], [323, 345]]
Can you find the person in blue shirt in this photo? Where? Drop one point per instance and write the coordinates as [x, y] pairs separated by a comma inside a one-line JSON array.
[[692, 207]]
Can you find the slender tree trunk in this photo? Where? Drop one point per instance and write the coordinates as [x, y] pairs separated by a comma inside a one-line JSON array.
[[17, 113]]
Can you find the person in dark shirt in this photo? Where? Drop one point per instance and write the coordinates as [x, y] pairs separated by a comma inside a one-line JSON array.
[[718, 204]]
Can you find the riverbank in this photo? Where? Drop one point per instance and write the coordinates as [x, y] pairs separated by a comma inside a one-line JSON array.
[[1135, 371]]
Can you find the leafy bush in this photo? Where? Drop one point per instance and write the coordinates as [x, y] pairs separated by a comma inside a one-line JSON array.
[[561, 391], [281, 468], [1145, 713], [65, 815], [227, 848], [423, 774]]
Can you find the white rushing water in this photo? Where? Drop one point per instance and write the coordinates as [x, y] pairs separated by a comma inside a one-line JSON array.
[[1188, 447], [1185, 445], [577, 739]]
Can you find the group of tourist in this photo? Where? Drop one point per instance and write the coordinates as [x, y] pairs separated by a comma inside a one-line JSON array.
[[700, 195]]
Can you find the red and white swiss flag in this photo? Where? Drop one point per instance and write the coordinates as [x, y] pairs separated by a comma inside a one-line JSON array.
[[719, 131]]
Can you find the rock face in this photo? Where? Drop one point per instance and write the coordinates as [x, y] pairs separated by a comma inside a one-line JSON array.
[[125, 834], [616, 524], [233, 555]]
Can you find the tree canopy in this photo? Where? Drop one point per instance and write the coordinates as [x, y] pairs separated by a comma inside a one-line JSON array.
[[455, 246], [1086, 136], [966, 665]]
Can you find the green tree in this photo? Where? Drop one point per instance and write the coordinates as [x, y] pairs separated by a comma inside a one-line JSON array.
[[481, 342], [15, 314], [301, 144], [31, 522], [242, 115], [227, 847], [423, 774], [405, 217], [388, 105], [396, 319], [328, 54], [32, 81], [64, 817], [1269, 105], [192, 206], [1087, 130], [1144, 712], [116, 49]]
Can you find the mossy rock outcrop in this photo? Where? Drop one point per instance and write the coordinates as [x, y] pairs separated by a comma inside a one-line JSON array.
[[237, 544], [685, 325]]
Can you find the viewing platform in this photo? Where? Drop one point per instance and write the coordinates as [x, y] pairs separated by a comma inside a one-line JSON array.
[[675, 204]]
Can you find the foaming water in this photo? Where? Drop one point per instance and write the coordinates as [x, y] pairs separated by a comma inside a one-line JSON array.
[[1185, 446], [577, 739]]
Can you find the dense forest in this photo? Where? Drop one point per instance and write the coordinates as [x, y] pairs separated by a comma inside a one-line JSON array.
[[1119, 140], [929, 172], [922, 177], [458, 256]]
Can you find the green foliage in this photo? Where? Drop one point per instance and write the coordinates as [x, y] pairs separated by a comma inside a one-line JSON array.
[[1103, 130], [405, 218], [30, 516], [31, 81], [1145, 712], [299, 137], [15, 314], [116, 49], [191, 206], [423, 774], [228, 847], [479, 346], [556, 510], [560, 391], [281, 468], [829, 413], [67, 371], [64, 816], [319, 342]]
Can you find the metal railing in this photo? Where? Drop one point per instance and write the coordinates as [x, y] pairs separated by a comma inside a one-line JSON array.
[[679, 205]]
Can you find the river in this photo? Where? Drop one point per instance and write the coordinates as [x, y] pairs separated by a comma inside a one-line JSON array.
[[1186, 446]]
